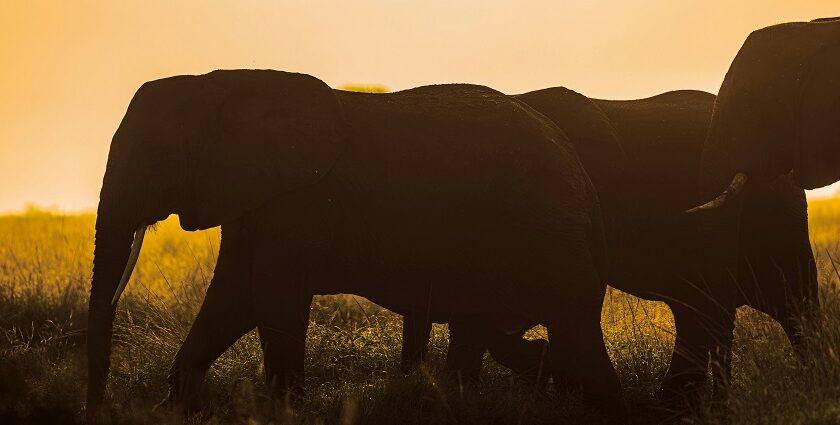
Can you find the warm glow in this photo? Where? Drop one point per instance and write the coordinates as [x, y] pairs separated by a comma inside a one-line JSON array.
[[69, 69]]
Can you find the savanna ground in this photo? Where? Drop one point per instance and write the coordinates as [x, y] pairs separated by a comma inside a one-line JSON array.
[[353, 346]]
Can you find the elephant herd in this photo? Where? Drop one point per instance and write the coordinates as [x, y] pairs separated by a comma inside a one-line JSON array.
[[457, 203]]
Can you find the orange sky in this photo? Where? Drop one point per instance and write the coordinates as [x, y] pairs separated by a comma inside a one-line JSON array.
[[68, 69]]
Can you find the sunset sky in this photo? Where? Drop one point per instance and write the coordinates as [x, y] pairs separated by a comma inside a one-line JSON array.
[[69, 69]]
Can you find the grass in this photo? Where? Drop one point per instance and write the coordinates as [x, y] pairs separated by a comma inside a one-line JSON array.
[[353, 346]]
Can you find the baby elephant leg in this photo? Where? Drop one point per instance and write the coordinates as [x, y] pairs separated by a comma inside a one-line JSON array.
[[467, 344], [526, 358]]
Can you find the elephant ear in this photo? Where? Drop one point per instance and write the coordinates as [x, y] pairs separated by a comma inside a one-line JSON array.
[[272, 132], [817, 159]]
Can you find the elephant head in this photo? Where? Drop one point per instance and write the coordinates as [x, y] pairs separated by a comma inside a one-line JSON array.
[[209, 148], [776, 119], [778, 111]]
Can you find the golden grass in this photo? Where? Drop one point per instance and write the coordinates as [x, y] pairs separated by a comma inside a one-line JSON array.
[[353, 345]]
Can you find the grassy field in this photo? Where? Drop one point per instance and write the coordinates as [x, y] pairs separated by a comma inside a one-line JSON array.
[[353, 346]]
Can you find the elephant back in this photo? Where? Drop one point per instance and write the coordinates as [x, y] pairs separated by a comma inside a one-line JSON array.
[[466, 147], [663, 137], [587, 128]]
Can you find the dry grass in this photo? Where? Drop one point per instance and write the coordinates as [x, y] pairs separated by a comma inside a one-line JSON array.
[[353, 346]]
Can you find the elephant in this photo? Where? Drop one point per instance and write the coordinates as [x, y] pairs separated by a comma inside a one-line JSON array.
[[775, 120], [655, 248], [454, 200]]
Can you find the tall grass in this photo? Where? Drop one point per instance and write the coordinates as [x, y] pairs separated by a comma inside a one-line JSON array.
[[353, 346]]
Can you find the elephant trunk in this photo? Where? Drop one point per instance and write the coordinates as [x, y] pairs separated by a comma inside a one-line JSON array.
[[111, 255]]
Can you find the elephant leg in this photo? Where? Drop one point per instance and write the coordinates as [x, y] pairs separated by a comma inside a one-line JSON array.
[[781, 261], [415, 343], [224, 317], [577, 352], [687, 372], [526, 358], [283, 341], [281, 306], [282, 313], [580, 362], [292, 236], [467, 344], [802, 302]]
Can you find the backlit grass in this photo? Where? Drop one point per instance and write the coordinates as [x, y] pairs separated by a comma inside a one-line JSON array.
[[353, 346]]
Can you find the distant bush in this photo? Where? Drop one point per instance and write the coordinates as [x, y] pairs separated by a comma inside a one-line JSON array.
[[365, 88]]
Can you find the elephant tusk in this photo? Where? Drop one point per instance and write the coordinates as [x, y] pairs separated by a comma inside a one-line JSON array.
[[132, 261], [731, 191]]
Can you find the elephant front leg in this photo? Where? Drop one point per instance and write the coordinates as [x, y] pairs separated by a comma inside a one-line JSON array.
[[283, 342], [415, 344], [224, 317], [281, 305]]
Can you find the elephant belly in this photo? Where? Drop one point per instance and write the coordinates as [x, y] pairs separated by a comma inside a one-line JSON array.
[[656, 260], [439, 280], [452, 268]]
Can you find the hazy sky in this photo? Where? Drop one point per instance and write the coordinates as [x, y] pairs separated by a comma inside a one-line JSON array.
[[69, 69]]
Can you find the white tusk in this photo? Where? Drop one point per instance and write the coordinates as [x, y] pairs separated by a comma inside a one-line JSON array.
[[132, 261], [714, 203], [731, 191]]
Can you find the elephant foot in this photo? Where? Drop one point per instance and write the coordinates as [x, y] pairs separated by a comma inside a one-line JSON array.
[[684, 394], [407, 367], [293, 395], [99, 414], [291, 392], [284, 404], [177, 406], [462, 378], [614, 411]]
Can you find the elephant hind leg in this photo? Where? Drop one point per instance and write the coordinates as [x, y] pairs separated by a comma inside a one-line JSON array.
[[577, 351], [224, 317], [415, 343]]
